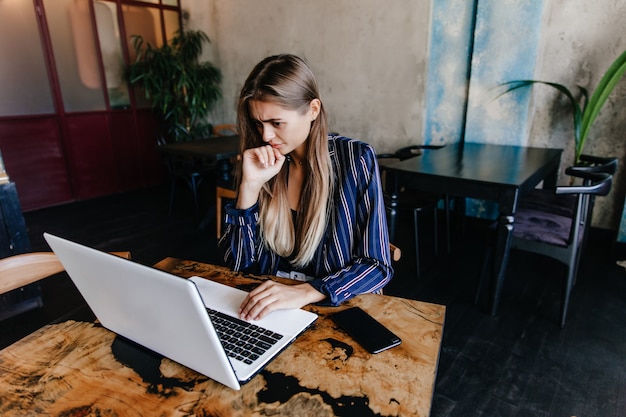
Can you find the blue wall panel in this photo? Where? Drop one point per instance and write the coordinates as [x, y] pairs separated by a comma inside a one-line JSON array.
[[505, 48], [449, 56], [506, 41]]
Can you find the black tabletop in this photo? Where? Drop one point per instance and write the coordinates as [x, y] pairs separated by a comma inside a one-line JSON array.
[[500, 164]]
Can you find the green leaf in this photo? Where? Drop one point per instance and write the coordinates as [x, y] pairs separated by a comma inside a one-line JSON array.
[[608, 82], [576, 110], [584, 110], [180, 89]]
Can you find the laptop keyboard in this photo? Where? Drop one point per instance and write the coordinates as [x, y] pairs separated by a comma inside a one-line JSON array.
[[241, 340]]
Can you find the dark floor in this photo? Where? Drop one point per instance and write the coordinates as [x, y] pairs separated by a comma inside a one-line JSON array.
[[519, 363]]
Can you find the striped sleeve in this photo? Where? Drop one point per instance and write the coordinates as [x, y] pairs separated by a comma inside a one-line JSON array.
[[357, 258], [240, 244]]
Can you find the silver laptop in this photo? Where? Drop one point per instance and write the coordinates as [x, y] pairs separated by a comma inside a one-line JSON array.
[[181, 319]]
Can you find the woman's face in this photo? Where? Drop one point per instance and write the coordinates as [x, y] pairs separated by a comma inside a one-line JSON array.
[[285, 130]]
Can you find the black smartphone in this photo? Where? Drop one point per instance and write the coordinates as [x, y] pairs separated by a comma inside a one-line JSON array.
[[366, 330]]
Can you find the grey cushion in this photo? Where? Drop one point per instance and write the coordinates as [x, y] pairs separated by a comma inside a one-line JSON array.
[[542, 226]]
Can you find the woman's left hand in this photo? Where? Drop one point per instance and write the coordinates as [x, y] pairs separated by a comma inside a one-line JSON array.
[[272, 295]]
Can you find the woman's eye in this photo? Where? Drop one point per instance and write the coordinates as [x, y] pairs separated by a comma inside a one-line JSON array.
[[277, 124]]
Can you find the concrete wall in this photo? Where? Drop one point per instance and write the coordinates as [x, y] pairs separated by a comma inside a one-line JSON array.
[[579, 41], [370, 57], [391, 75]]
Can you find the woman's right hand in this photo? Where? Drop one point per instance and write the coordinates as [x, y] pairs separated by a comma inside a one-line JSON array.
[[259, 165]]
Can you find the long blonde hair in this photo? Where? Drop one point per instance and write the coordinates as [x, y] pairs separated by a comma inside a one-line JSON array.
[[288, 81]]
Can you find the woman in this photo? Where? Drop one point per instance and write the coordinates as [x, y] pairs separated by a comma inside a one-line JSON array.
[[309, 205]]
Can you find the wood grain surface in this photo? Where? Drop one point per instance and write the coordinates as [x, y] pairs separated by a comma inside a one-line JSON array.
[[81, 369]]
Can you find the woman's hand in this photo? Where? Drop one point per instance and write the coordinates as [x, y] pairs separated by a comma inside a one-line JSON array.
[[259, 165], [272, 295]]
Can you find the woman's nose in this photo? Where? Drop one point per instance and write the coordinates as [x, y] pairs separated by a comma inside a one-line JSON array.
[[268, 133]]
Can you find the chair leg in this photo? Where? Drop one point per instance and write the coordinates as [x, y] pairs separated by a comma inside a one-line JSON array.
[[218, 207], [195, 180], [569, 283], [455, 218], [436, 230], [500, 261], [484, 274], [172, 192], [578, 256], [416, 215], [446, 208], [416, 212]]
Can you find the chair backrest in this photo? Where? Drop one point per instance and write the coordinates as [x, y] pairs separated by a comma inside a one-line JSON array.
[[590, 163], [225, 130], [599, 183], [408, 152], [594, 184], [20, 270], [401, 154]]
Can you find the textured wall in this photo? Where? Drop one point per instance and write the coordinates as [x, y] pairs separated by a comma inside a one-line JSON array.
[[579, 41], [569, 42], [370, 57], [392, 76]]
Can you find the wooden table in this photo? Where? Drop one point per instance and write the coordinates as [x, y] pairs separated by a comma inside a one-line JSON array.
[[78, 368], [481, 171]]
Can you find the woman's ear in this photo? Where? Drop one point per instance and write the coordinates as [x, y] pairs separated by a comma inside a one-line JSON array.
[[315, 107]]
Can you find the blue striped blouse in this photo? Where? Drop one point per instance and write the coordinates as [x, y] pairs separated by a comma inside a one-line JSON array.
[[353, 257]]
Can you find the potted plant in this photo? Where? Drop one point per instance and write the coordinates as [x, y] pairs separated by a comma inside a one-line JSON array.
[[584, 109], [181, 89]]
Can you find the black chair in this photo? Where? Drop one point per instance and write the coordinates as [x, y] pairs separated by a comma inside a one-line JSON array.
[[547, 200], [189, 170], [558, 234], [417, 203]]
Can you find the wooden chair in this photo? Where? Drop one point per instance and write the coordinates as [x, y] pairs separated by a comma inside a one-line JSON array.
[[222, 192], [225, 130], [188, 170], [20, 270], [559, 236], [396, 253]]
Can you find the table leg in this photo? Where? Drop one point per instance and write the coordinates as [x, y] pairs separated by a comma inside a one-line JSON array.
[[391, 203], [550, 180], [504, 233], [224, 168]]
